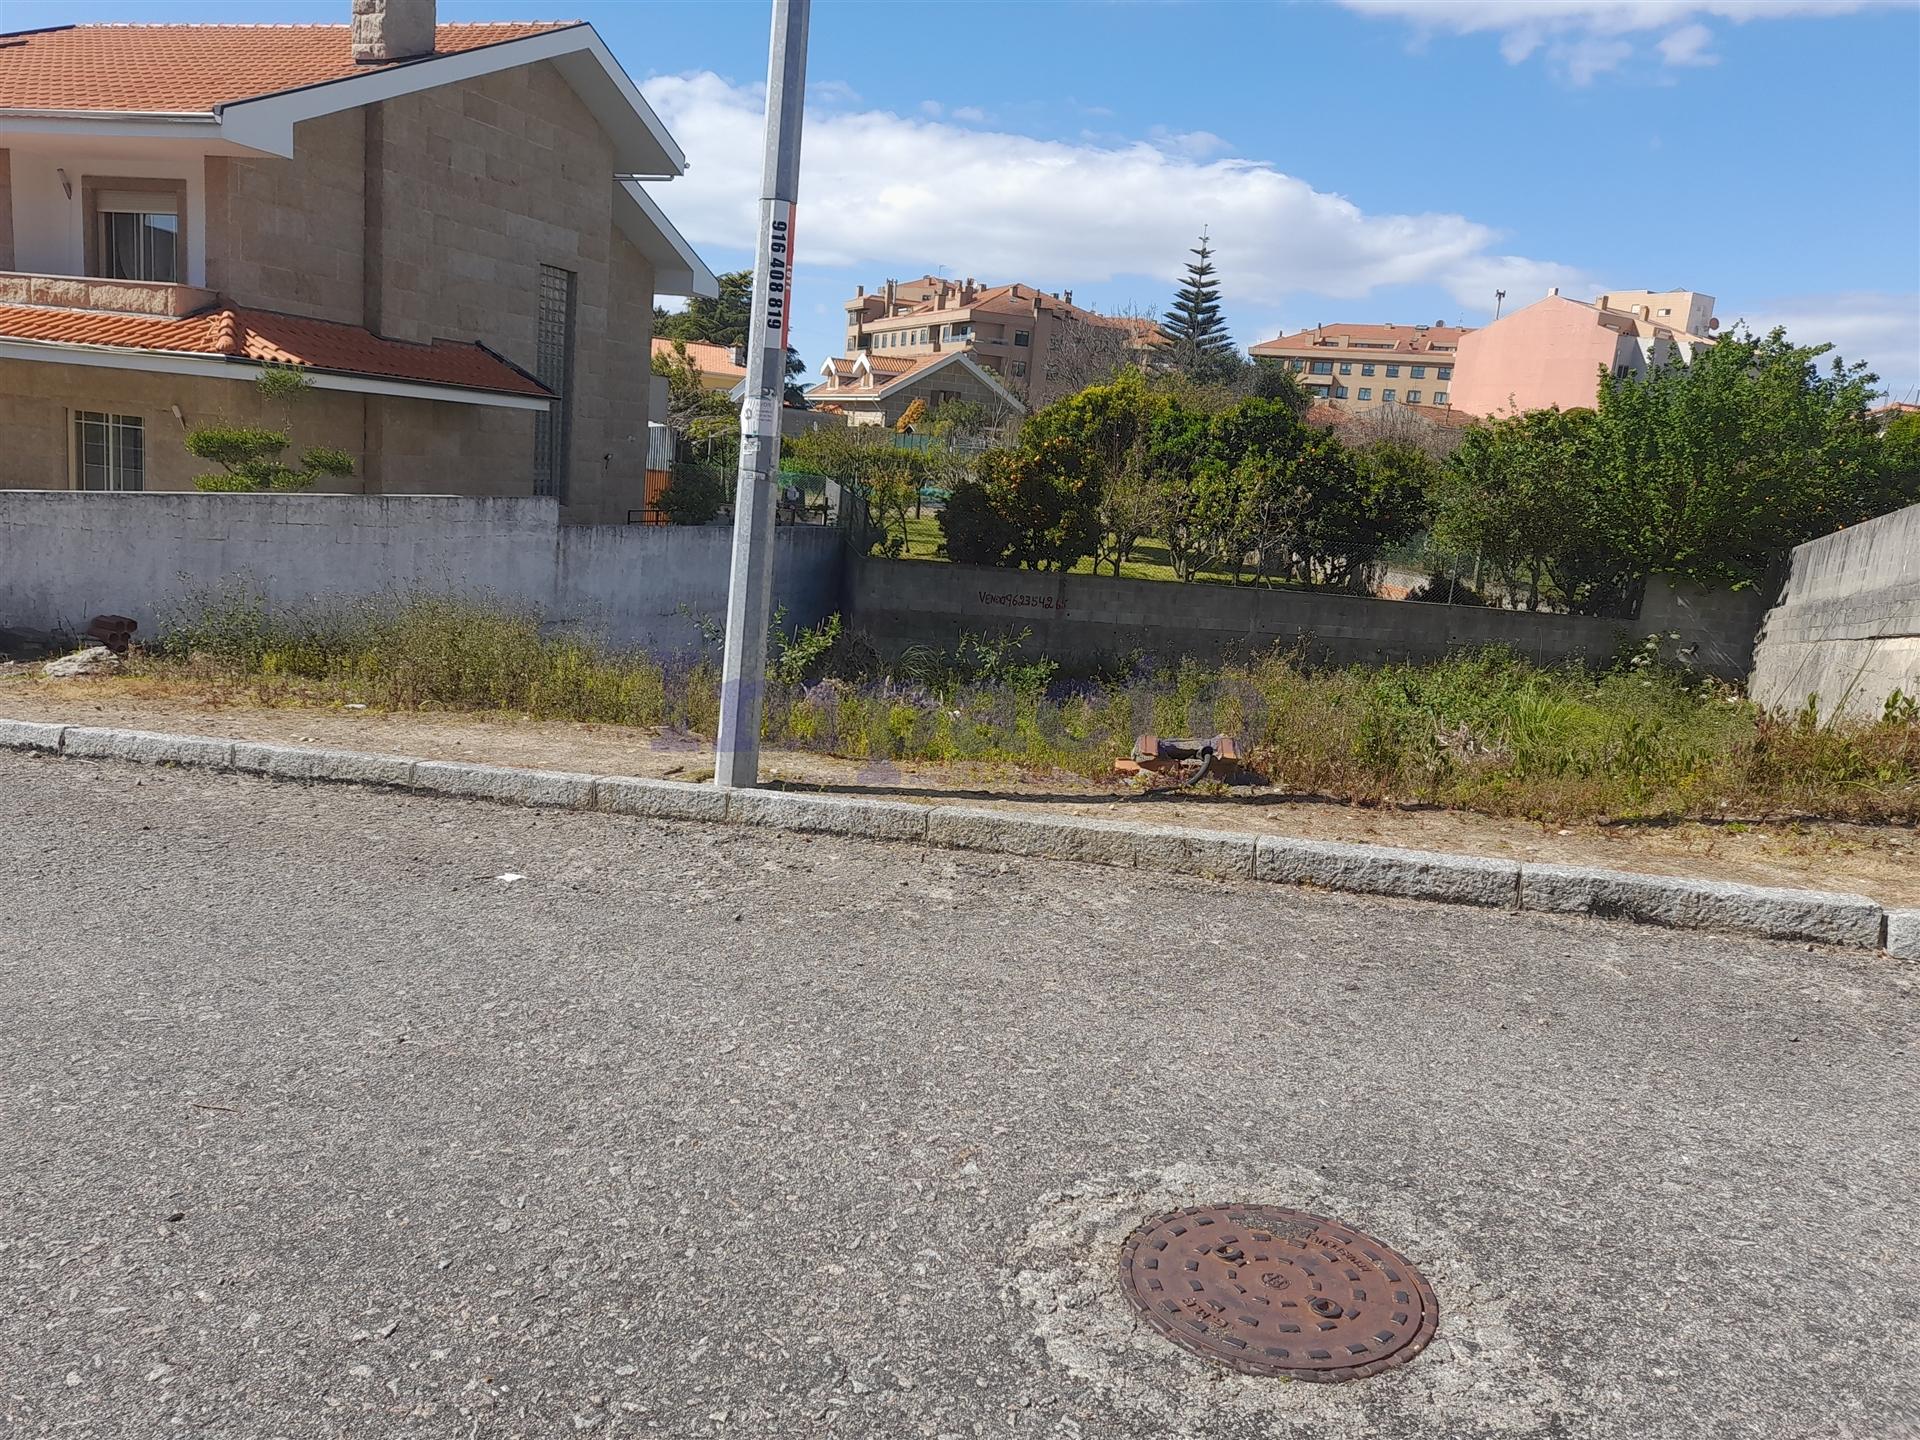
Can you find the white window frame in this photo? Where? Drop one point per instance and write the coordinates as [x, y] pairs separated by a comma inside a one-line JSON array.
[[114, 439]]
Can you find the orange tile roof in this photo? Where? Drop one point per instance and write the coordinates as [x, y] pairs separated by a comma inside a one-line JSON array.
[[267, 337], [1404, 339], [708, 359], [196, 68]]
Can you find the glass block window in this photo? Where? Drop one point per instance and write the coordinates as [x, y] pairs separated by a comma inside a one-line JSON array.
[[553, 368]]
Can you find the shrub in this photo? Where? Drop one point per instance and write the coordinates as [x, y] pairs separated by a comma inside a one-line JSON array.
[[695, 494]]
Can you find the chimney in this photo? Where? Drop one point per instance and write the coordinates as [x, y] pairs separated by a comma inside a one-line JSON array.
[[1554, 291], [892, 291], [1069, 297], [387, 30], [859, 292]]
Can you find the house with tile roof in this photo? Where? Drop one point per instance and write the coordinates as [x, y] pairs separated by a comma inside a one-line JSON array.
[[1038, 345], [720, 367], [874, 389], [442, 226], [1358, 367]]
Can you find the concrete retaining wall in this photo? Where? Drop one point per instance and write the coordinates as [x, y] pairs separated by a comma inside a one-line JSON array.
[[1847, 628], [1086, 619], [67, 556]]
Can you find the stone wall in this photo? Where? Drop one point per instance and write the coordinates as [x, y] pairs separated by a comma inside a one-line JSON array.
[[1086, 619], [429, 216], [66, 557], [1846, 630]]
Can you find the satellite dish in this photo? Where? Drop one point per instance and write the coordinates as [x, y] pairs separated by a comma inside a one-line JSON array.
[[1714, 323]]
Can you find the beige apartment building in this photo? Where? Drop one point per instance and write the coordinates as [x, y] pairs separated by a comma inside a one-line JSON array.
[[1358, 367], [1036, 344], [438, 225]]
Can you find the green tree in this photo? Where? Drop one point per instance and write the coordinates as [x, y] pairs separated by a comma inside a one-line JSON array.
[[721, 319], [1201, 348], [1711, 469], [251, 458], [725, 319], [694, 413], [1900, 458], [1525, 495]]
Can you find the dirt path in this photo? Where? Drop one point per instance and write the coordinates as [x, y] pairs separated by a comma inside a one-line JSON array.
[[1882, 862]]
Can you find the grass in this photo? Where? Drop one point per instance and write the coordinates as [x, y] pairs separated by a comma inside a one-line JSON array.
[[1485, 731]]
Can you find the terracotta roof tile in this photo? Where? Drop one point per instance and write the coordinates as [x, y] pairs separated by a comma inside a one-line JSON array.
[[267, 337], [706, 358], [197, 68], [1403, 339]]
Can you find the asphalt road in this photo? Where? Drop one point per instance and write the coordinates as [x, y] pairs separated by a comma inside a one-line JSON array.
[[314, 1124]]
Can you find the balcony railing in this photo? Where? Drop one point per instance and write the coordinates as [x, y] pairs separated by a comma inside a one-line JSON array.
[[88, 292]]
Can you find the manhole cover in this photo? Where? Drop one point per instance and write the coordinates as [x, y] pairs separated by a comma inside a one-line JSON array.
[[1270, 1291]]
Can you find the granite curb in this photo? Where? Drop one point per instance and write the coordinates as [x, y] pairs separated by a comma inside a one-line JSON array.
[[1852, 921]]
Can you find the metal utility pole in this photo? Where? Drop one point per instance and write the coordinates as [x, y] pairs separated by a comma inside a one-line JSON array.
[[743, 677]]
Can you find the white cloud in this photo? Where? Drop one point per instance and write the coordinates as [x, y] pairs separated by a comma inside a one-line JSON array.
[[1687, 46], [894, 194], [972, 114], [1582, 39], [1879, 327]]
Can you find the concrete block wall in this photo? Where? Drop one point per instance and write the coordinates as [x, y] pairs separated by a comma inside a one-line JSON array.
[[65, 557], [1846, 630], [1088, 619]]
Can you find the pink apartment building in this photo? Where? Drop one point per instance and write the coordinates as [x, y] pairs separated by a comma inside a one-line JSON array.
[[1552, 352]]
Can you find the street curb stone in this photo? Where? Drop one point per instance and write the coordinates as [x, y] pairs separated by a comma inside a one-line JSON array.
[[1784, 914], [659, 799], [146, 747], [1385, 870], [1903, 934], [1049, 837], [555, 788], [348, 767], [1703, 904], [26, 735], [828, 814]]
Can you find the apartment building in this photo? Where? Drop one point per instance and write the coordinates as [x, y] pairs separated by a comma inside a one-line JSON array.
[[1551, 353], [875, 389], [1036, 344], [1357, 367], [437, 224]]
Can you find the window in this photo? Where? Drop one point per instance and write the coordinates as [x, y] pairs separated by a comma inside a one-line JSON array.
[[1366, 392], [1021, 337], [1339, 392], [1413, 397], [1366, 369], [553, 368], [1418, 372], [1321, 367], [1439, 397], [1393, 372], [1446, 372], [1386, 395], [134, 233], [1019, 368], [1296, 365], [956, 332], [109, 452], [1346, 367], [1665, 310]]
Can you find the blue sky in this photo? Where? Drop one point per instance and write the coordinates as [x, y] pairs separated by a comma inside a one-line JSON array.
[[1354, 159]]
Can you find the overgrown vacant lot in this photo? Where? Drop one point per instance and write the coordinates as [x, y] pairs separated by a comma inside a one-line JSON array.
[[1483, 732]]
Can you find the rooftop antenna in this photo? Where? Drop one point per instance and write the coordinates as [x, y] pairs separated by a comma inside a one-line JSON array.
[[1498, 297]]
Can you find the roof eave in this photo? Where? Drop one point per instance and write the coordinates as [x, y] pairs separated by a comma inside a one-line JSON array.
[[641, 144], [245, 368], [677, 269]]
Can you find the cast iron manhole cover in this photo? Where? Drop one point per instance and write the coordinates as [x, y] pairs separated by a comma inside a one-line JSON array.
[[1270, 1291]]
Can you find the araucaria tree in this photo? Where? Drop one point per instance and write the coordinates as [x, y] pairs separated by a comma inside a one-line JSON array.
[[1202, 349]]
